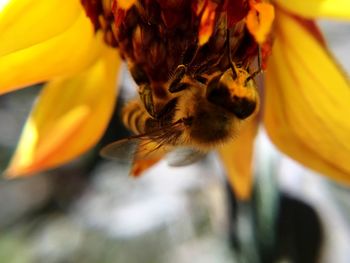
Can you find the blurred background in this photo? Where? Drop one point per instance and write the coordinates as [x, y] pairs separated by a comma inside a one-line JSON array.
[[91, 211]]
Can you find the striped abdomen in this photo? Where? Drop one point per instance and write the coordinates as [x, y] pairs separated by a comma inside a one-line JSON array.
[[136, 118]]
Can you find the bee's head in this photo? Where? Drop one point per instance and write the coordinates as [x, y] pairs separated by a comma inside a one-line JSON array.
[[233, 91]]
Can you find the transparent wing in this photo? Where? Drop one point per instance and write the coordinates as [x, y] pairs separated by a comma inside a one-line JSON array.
[[122, 150], [182, 156], [133, 149], [152, 145]]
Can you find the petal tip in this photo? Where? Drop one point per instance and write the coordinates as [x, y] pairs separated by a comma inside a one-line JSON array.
[[14, 171], [11, 173], [259, 21]]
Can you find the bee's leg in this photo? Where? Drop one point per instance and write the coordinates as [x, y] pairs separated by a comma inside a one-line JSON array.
[[190, 55], [179, 87], [232, 64], [167, 113], [146, 97], [145, 91], [176, 85]]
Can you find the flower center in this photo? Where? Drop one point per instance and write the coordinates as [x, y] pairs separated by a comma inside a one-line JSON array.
[[100, 14], [156, 36]]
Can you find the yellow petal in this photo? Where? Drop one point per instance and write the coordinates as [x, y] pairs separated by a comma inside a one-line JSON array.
[[24, 23], [69, 118], [307, 101], [146, 155], [125, 4], [65, 54], [207, 22], [237, 159], [140, 166], [333, 9], [259, 21]]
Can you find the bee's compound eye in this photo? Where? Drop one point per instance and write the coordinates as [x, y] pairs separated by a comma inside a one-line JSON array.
[[139, 75], [242, 107]]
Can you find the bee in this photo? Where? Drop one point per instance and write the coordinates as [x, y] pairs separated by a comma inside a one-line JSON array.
[[200, 108], [205, 111]]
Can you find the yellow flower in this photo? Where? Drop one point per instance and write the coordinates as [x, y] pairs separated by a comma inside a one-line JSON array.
[[54, 41], [305, 97]]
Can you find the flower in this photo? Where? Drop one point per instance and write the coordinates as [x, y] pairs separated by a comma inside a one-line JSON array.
[[305, 99], [54, 42]]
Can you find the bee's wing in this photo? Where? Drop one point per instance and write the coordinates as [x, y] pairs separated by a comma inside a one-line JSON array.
[[182, 156], [132, 149], [121, 150], [141, 153]]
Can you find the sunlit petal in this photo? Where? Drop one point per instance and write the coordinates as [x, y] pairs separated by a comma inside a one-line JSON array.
[[69, 118], [67, 53], [334, 9], [207, 22], [259, 21], [237, 159], [24, 23], [146, 155], [125, 4], [140, 166], [307, 101]]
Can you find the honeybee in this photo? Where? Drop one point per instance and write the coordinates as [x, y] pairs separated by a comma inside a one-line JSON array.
[[199, 107], [204, 111]]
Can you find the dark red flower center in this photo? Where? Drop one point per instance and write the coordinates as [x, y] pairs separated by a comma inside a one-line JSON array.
[[158, 35]]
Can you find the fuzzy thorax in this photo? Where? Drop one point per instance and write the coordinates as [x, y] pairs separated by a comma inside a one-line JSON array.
[[210, 125]]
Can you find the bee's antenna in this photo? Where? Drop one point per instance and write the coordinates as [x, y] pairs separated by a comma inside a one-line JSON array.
[[259, 58], [193, 55], [257, 72], [232, 64]]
